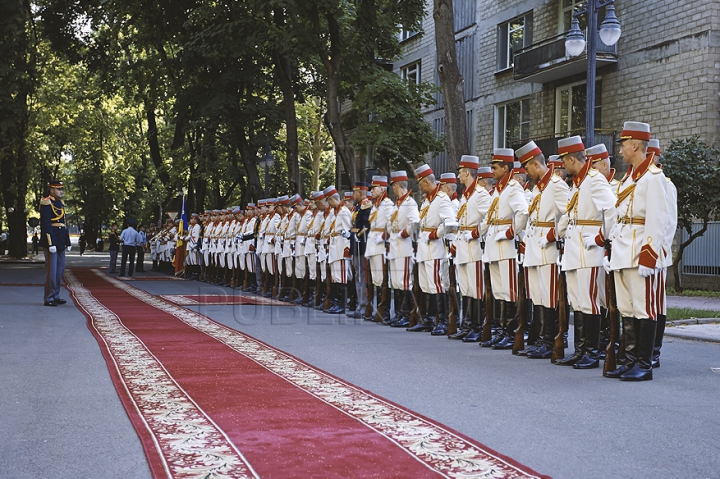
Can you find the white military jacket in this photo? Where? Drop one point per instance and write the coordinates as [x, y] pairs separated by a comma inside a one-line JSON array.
[[590, 195], [302, 232], [290, 234], [435, 208], [314, 229], [549, 201], [404, 214], [249, 228], [325, 236], [271, 232], [339, 245], [261, 240], [639, 234], [379, 219], [474, 204], [671, 227], [507, 214]]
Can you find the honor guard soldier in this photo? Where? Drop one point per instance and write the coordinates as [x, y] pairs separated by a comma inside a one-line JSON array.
[[310, 248], [548, 203], [376, 251], [205, 229], [600, 159], [638, 256], [55, 239], [283, 203], [474, 204], [504, 221], [269, 250], [431, 251], [520, 175], [448, 185], [591, 205], [338, 251], [236, 254], [556, 163], [248, 235], [289, 226], [403, 220], [261, 244], [301, 267], [654, 149], [358, 245], [192, 240], [322, 238]]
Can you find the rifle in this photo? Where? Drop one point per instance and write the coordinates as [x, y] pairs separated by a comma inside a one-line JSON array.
[[559, 346], [384, 299], [328, 282], [450, 229], [612, 311], [415, 315], [369, 289], [489, 303], [519, 343]]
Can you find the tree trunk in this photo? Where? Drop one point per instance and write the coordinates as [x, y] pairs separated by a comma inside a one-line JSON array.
[[154, 145], [451, 82], [331, 61]]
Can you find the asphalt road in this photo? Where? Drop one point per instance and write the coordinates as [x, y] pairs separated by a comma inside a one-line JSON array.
[[60, 416]]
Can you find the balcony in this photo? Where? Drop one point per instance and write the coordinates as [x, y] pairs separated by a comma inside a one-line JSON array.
[[546, 61]]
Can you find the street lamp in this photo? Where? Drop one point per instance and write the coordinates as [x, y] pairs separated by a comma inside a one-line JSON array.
[[267, 162], [610, 32]]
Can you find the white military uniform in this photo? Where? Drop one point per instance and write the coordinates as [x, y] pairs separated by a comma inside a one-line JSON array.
[[375, 249], [474, 204], [590, 196], [324, 242], [193, 255], [300, 241], [639, 238], [548, 203], [405, 213], [310, 249], [339, 251], [431, 250], [506, 218]]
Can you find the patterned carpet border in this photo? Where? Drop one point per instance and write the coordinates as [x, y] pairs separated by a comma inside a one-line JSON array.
[[178, 437], [230, 299], [441, 449]]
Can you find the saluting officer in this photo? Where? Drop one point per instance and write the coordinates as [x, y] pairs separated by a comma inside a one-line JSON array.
[[54, 238], [504, 221], [431, 251], [638, 257], [591, 199], [474, 204], [549, 200]]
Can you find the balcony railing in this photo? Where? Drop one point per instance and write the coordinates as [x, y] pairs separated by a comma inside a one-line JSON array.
[[547, 61]]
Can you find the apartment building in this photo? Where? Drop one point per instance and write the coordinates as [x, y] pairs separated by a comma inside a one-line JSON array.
[[521, 85]]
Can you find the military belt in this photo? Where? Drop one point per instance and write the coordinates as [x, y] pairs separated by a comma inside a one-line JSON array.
[[587, 223], [467, 228], [425, 228], [499, 222], [58, 225], [378, 230], [635, 220], [544, 224], [335, 233]]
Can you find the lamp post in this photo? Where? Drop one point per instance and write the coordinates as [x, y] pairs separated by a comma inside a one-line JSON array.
[[267, 162], [575, 44]]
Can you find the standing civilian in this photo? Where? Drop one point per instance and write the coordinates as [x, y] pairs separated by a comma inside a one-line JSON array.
[[114, 247], [129, 240], [141, 245]]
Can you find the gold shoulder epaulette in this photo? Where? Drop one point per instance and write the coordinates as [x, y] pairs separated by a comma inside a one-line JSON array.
[[364, 207], [654, 169], [441, 194], [45, 201], [593, 172], [668, 179], [555, 178], [512, 182]]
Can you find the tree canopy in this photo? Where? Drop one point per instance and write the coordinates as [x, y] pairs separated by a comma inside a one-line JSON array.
[[130, 102]]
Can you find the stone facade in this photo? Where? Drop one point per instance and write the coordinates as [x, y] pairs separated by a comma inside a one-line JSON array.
[[667, 71]]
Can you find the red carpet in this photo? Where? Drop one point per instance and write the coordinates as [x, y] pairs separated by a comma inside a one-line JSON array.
[[209, 401], [193, 299]]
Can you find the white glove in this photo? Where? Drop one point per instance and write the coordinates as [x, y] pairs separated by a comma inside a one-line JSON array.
[[301, 241], [543, 242], [559, 262], [645, 272], [501, 236], [378, 239], [53, 249], [606, 265], [69, 248], [521, 258], [414, 258], [589, 241], [467, 236], [345, 234]]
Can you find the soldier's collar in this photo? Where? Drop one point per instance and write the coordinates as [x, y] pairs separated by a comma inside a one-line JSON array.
[[402, 198], [381, 198], [431, 196], [467, 192], [500, 186], [580, 177], [642, 168], [611, 175], [542, 184]]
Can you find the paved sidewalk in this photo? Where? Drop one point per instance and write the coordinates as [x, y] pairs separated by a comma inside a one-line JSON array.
[[698, 329]]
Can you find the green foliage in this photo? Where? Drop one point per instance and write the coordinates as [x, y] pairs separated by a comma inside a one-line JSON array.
[[389, 119], [692, 166]]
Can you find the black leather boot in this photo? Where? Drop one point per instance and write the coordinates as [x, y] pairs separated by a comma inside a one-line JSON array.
[[441, 325], [466, 305], [508, 325], [548, 331], [659, 333], [579, 342], [630, 335], [591, 356], [398, 300], [642, 371], [478, 318], [534, 339], [498, 332]]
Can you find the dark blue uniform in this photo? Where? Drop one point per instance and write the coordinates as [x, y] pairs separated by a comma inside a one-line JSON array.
[[53, 233]]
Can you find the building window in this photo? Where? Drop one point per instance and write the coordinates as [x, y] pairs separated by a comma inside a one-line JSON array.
[[570, 108], [406, 34], [411, 73], [513, 36], [567, 7], [512, 123]]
